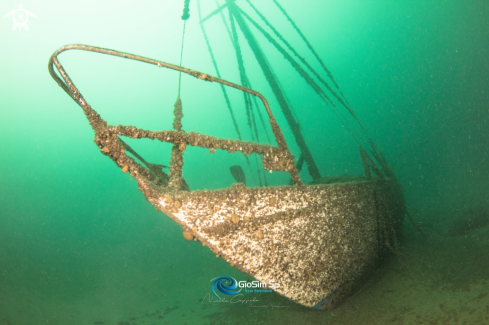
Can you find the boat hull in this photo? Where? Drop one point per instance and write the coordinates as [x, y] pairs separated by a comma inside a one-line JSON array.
[[318, 242]]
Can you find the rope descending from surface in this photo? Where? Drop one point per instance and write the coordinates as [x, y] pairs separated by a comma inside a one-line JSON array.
[[185, 16], [186, 10], [176, 161]]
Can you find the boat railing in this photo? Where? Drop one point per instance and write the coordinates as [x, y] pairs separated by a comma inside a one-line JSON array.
[[275, 158]]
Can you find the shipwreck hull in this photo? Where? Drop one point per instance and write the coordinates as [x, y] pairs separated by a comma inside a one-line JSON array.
[[318, 242]]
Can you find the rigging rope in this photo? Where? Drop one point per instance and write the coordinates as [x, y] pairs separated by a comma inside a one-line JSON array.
[[248, 81], [309, 80], [242, 72], [226, 97], [224, 91], [245, 82], [265, 67], [308, 44], [313, 84], [295, 53], [185, 16], [373, 150]]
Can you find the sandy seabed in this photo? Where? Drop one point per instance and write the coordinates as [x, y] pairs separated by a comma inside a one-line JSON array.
[[435, 280]]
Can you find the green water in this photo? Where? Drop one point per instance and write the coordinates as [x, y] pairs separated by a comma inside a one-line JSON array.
[[80, 245]]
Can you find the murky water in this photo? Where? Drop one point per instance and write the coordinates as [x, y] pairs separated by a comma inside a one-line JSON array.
[[80, 245]]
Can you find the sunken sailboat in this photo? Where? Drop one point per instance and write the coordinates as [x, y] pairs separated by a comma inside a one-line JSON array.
[[319, 241]]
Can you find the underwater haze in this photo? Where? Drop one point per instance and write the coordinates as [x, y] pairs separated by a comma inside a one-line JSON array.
[[79, 244]]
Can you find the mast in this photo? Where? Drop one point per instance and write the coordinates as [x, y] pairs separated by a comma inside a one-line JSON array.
[[267, 71]]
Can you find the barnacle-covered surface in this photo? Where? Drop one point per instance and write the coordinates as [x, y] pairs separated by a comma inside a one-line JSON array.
[[316, 241], [312, 240]]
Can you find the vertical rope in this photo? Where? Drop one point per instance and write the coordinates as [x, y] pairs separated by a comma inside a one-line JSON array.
[[176, 160], [181, 57]]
